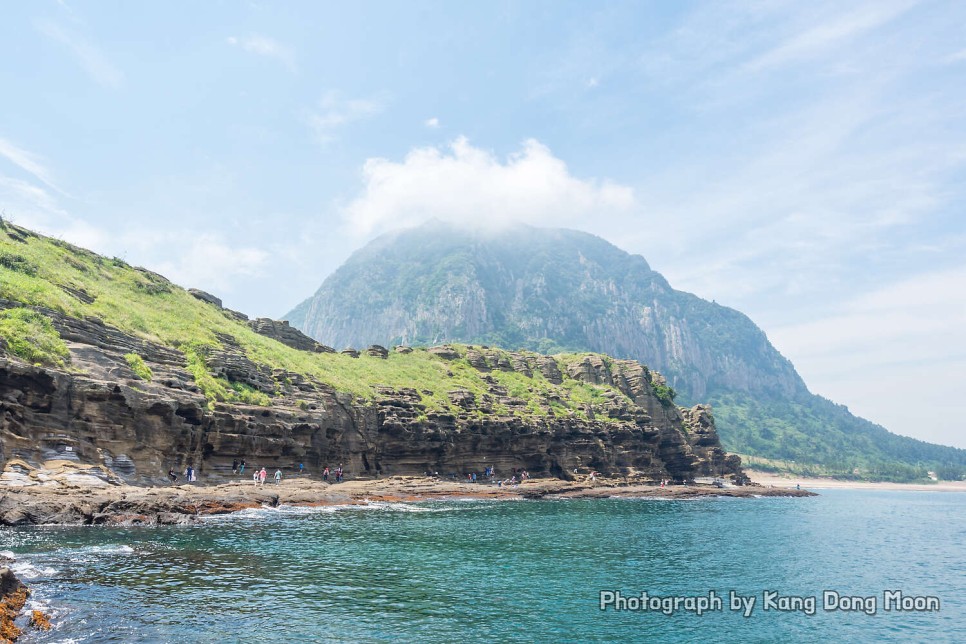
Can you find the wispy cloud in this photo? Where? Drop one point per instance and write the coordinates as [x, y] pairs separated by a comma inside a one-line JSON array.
[[957, 57], [790, 184], [334, 112], [87, 55], [28, 162], [431, 123], [468, 185], [823, 37], [265, 46]]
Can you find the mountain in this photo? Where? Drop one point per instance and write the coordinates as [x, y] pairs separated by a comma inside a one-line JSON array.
[[118, 370], [554, 290]]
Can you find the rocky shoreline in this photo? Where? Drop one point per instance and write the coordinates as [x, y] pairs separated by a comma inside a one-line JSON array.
[[126, 505], [13, 598]]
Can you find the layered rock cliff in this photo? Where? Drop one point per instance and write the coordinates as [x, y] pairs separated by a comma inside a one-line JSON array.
[[101, 413]]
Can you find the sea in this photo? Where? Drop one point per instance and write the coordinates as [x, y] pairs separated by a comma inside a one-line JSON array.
[[845, 566]]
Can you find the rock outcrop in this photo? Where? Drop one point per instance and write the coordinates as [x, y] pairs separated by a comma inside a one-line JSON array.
[[205, 297], [13, 596], [288, 335]]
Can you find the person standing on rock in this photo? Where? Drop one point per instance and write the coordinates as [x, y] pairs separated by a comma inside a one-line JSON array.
[[278, 476], [262, 475], [234, 466], [325, 473], [242, 467], [301, 468], [255, 477]]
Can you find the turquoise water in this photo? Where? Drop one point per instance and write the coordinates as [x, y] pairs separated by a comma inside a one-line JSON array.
[[507, 571]]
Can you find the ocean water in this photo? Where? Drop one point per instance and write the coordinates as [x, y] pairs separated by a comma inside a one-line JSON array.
[[527, 571]]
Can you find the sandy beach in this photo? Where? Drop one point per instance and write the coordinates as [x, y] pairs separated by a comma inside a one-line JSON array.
[[785, 481]]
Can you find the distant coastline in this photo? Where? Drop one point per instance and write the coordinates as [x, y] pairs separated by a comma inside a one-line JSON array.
[[789, 481]]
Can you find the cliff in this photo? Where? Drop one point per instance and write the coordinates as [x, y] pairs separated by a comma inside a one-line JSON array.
[[134, 376], [562, 290], [542, 289]]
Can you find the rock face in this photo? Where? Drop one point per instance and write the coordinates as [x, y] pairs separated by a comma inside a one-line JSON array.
[[124, 428]]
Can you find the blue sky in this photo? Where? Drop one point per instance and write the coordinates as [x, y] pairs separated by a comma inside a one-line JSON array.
[[802, 162]]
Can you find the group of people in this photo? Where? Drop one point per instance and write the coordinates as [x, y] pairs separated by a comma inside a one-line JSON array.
[[260, 475], [189, 475], [519, 475]]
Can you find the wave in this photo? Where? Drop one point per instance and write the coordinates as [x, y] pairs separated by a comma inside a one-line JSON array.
[[27, 571], [268, 512]]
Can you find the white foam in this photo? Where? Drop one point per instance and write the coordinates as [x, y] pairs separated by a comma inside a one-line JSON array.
[[108, 550], [34, 604], [26, 570], [8, 554], [267, 512]]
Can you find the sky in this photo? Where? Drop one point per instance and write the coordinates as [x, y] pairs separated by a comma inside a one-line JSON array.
[[802, 162]]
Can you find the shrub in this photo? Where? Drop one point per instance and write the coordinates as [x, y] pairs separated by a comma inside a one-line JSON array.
[[30, 336], [140, 369], [17, 263], [665, 394]]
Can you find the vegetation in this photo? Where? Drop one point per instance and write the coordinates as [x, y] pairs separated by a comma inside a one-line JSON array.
[[664, 393], [823, 439], [80, 284], [220, 389], [30, 336], [138, 366]]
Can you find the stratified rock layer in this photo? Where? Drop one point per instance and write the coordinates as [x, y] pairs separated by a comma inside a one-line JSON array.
[[100, 413]]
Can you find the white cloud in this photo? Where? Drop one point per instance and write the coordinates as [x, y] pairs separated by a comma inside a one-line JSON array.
[[334, 111], [468, 185], [90, 58], [265, 46], [431, 123], [208, 262]]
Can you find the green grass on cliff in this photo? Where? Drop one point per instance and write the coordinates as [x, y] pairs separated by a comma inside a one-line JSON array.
[[138, 366], [30, 336], [44, 272]]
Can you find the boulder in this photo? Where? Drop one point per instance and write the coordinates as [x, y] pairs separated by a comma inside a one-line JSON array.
[[377, 351], [205, 297]]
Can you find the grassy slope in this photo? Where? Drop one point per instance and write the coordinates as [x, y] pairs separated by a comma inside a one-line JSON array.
[[39, 271]]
